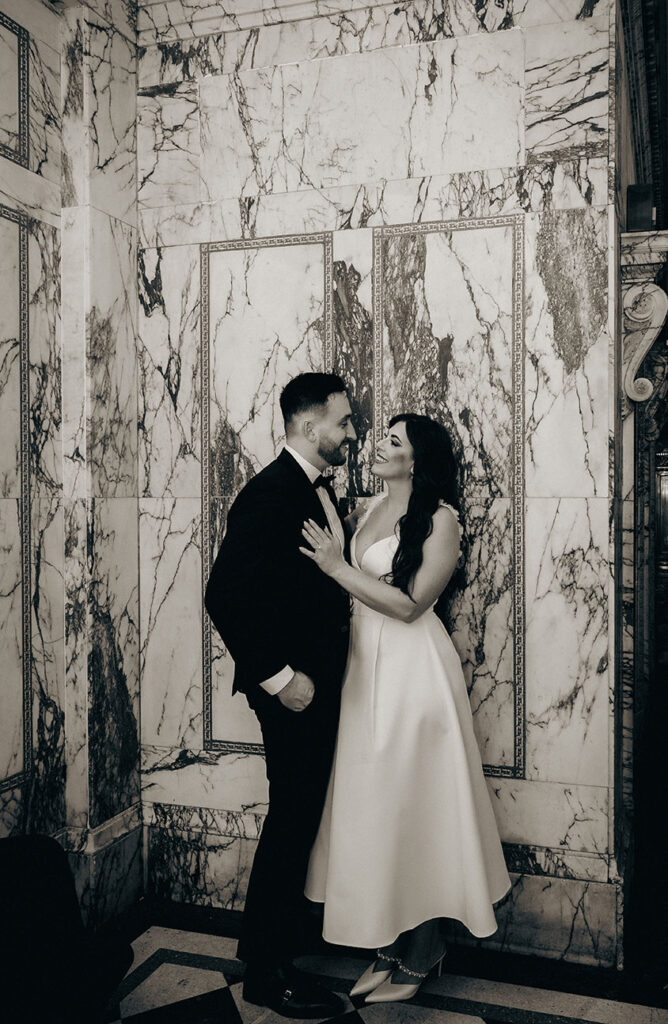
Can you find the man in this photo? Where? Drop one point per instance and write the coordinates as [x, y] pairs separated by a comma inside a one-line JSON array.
[[286, 625]]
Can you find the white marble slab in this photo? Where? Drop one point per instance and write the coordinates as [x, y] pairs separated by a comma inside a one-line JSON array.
[[569, 818], [182, 19], [111, 317], [266, 308], [9, 101], [575, 184], [44, 298], [168, 146], [76, 660], [170, 615], [449, 106], [113, 667], [205, 778], [567, 371], [10, 366], [30, 193], [567, 593], [11, 641], [169, 372], [567, 88]]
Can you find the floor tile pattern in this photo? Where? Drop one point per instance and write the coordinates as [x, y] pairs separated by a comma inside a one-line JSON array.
[[181, 977]]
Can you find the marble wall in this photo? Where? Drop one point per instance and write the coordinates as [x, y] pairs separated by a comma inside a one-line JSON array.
[[423, 196], [68, 408]]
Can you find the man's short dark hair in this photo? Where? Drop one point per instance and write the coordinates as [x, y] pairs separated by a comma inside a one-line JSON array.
[[308, 391]]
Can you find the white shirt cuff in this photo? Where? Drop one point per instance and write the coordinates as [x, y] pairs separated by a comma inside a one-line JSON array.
[[276, 683]]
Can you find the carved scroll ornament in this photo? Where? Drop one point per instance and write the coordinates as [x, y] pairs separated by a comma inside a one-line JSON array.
[[645, 309]]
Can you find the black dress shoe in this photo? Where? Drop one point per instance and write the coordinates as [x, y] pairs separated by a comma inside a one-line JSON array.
[[290, 993]]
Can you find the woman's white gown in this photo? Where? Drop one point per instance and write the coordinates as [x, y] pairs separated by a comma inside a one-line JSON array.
[[407, 832]]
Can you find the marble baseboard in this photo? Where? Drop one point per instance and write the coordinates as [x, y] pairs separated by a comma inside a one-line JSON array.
[[198, 867], [560, 917], [109, 881]]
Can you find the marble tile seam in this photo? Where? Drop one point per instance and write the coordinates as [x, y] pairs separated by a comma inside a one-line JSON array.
[[133, 224]]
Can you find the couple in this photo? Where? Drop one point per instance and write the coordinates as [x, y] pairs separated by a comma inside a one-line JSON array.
[[383, 816]]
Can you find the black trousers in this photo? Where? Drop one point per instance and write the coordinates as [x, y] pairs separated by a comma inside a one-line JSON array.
[[299, 748]]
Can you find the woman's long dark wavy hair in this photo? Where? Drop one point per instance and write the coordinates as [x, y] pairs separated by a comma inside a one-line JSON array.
[[435, 478]]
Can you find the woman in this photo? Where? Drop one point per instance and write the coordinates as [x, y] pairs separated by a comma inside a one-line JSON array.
[[408, 836]]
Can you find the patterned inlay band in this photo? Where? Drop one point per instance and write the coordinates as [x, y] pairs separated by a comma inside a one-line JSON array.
[[325, 240], [21, 220]]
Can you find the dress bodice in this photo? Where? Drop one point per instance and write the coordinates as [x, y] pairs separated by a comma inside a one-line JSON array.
[[377, 559]]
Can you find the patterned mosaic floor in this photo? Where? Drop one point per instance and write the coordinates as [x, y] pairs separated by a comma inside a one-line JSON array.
[[181, 977]]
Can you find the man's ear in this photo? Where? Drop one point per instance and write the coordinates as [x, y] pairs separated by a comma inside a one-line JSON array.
[[308, 430]]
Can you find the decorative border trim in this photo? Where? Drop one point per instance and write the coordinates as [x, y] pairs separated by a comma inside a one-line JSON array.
[[20, 155], [18, 779], [277, 241], [516, 223]]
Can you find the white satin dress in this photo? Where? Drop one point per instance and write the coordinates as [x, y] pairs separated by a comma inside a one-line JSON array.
[[407, 832]]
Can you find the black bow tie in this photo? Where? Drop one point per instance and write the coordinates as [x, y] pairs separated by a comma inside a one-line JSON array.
[[326, 482]]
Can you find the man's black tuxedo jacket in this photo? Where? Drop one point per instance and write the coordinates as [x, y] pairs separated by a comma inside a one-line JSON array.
[[270, 603]]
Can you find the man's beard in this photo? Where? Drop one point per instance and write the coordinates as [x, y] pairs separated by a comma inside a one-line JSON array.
[[334, 455]]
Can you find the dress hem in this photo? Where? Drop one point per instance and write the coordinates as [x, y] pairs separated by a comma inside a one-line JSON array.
[[386, 942]]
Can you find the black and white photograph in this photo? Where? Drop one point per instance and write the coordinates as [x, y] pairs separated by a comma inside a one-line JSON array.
[[333, 511]]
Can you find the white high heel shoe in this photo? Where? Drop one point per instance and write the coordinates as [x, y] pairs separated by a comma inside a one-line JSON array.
[[388, 992], [369, 981]]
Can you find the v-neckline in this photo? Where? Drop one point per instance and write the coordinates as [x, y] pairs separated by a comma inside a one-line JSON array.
[[375, 542]]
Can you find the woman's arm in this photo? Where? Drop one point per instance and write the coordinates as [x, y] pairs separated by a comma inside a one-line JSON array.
[[439, 558]]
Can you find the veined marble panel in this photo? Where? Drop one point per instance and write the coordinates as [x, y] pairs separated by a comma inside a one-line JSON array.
[[45, 359], [76, 660], [170, 611], [561, 918], [75, 252], [168, 146], [567, 89], [273, 298], [11, 642], [567, 597], [169, 372], [99, 122], [15, 102], [556, 863], [450, 106], [569, 818], [448, 321], [10, 355], [204, 819], [110, 89], [30, 193], [9, 93], [122, 14], [45, 118], [266, 311], [352, 312], [392, 24], [199, 867], [205, 778], [475, 194], [46, 810], [567, 354], [113, 699], [110, 881], [111, 357]]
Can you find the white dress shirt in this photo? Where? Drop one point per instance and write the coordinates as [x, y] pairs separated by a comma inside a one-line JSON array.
[[276, 683]]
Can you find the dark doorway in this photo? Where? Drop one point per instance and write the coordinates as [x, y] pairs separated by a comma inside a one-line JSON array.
[[647, 921]]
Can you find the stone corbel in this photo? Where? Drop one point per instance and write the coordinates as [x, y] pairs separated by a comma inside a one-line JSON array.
[[645, 309]]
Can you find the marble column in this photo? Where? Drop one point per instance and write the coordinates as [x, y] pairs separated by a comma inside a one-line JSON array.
[[100, 454]]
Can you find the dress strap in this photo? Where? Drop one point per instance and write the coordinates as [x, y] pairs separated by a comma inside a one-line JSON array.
[[444, 504]]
